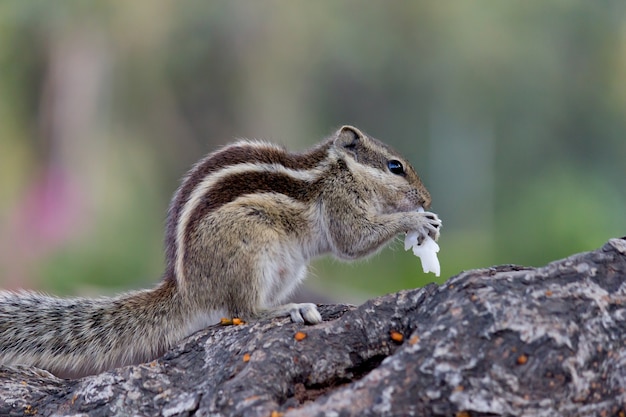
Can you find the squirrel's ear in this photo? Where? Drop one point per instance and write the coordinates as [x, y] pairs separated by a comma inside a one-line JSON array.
[[348, 137]]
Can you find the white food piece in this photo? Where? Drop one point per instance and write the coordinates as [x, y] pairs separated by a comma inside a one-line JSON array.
[[427, 251], [410, 240]]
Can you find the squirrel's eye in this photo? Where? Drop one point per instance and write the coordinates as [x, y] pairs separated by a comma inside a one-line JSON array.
[[395, 167]]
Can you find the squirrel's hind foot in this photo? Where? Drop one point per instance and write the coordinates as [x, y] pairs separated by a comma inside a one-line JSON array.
[[299, 312]]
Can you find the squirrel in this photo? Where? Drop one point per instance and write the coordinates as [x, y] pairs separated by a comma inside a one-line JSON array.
[[240, 231]]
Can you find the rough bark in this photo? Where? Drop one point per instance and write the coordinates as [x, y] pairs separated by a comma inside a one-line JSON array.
[[500, 341]]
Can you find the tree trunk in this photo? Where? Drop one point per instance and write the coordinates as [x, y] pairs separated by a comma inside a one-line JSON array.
[[501, 341]]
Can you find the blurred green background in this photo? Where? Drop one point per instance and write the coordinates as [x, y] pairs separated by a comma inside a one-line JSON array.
[[512, 112]]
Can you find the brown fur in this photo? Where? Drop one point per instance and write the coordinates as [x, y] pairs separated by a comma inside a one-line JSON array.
[[241, 230]]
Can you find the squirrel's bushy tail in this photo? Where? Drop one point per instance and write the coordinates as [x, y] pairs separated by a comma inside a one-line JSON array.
[[79, 336]]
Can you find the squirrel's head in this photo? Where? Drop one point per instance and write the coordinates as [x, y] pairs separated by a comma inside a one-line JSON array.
[[384, 175]]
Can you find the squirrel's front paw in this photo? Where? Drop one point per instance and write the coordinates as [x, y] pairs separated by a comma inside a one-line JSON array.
[[428, 224], [433, 224]]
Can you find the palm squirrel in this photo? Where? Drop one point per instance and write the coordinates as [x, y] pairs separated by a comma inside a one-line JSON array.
[[240, 232]]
